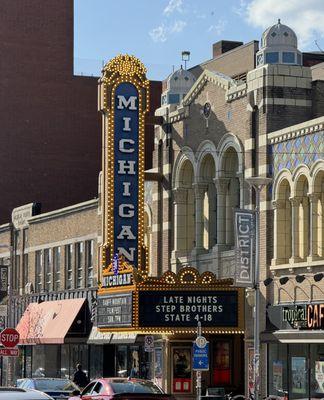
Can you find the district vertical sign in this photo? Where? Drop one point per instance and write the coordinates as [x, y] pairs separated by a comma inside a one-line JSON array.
[[245, 247], [124, 101]]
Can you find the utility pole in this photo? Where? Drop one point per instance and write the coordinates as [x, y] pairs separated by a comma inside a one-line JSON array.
[[257, 183]]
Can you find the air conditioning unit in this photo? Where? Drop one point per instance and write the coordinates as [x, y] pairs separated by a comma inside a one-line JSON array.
[[29, 288]]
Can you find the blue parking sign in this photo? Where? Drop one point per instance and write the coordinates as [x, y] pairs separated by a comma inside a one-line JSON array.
[[200, 358]]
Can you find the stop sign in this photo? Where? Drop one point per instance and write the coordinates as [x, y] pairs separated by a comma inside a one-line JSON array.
[[9, 337]]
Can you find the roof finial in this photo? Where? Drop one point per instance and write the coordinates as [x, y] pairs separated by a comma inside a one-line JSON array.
[[278, 21]]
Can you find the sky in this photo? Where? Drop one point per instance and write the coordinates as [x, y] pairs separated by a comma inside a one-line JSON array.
[[157, 31]]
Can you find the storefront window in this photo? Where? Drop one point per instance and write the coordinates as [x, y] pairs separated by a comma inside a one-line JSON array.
[[222, 371], [96, 361], [78, 355], [65, 361], [277, 368], [298, 382], [181, 370], [317, 370], [158, 365], [46, 361], [121, 361], [134, 362]]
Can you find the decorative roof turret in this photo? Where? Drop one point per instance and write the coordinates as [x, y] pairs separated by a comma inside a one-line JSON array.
[[278, 46]]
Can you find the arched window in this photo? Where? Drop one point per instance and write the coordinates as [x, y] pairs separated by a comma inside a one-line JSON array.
[[230, 169], [317, 216], [207, 176], [302, 239], [282, 224], [184, 209]]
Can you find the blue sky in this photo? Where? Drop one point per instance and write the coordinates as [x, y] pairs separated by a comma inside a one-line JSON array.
[[156, 31]]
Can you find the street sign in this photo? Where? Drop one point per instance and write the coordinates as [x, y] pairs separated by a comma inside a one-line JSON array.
[[200, 357], [149, 343], [201, 341], [9, 352], [9, 337]]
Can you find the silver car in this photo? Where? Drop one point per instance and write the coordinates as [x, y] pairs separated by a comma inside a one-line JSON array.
[[22, 394]]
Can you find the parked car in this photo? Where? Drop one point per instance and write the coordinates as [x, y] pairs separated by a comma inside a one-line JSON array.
[[22, 394], [58, 388], [122, 389]]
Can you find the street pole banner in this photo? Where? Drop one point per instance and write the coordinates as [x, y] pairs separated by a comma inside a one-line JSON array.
[[245, 247], [4, 278]]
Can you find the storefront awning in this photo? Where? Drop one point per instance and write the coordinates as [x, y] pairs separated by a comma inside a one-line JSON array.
[[299, 336], [48, 322], [120, 338], [97, 337]]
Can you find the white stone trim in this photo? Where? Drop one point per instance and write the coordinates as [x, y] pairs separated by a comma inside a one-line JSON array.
[[265, 205], [304, 128], [249, 144], [90, 236]]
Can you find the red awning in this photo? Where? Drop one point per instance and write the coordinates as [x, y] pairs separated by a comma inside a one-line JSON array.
[[48, 322]]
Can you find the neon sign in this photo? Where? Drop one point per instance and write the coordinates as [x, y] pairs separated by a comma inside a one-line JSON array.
[[124, 101]]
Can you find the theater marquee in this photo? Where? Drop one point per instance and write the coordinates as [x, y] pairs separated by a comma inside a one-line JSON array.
[[128, 298]]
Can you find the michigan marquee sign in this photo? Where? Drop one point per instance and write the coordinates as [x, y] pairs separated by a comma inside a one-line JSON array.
[[128, 298]]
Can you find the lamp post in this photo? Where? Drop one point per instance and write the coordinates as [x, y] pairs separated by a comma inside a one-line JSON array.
[[257, 183]]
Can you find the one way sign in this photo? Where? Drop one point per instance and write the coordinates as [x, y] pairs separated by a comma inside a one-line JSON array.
[[200, 358]]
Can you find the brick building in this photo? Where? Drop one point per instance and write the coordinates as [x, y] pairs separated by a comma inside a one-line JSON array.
[[50, 136], [218, 124]]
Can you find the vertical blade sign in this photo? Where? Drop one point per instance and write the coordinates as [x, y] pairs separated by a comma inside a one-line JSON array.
[[123, 100]]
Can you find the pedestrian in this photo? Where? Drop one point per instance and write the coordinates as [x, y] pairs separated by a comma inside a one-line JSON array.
[[80, 378]]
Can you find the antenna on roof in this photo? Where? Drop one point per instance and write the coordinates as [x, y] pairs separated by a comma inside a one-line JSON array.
[[317, 45]]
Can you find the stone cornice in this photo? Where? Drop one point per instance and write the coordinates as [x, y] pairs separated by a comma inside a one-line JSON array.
[[305, 128]]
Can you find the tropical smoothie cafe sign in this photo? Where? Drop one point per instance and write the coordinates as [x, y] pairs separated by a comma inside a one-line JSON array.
[[298, 316], [127, 297]]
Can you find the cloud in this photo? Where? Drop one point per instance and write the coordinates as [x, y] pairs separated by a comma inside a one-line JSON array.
[[162, 32], [159, 34], [178, 26], [219, 27], [304, 17], [173, 5]]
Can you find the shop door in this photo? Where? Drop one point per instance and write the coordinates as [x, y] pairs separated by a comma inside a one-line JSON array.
[[108, 368]]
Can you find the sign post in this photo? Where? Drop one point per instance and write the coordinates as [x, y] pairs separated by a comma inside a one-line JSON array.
[[200, 358]]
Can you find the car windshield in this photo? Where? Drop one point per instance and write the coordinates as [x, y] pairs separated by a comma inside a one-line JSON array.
[[54, 384], [134, 387]]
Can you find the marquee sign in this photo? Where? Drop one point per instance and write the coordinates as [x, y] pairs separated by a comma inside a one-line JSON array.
[[169, 308], [124, 95]]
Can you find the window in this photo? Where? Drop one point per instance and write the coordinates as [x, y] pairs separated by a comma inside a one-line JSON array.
[[39, 270], [89, 262], [68, 265], [288, 57], [272, 57], [57, 267], [174, 98], [17, 272], [25, 269], [48, 269], [78, 263]]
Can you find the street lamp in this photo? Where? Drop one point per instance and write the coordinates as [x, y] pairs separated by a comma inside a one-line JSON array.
[[257, 183], [185, 57]]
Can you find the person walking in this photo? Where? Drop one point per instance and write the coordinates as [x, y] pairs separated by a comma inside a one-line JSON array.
[[80, 378]]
